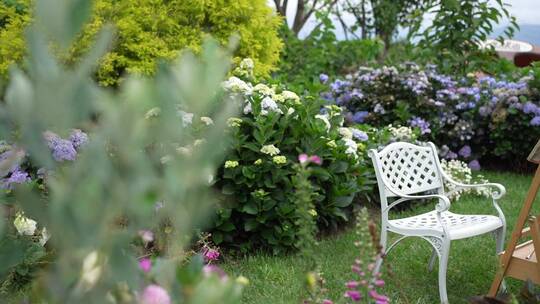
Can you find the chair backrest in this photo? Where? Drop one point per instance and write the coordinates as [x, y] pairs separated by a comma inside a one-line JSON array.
[[404, 168]]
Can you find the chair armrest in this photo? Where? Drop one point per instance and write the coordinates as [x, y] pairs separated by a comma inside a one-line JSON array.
[[443, 205]]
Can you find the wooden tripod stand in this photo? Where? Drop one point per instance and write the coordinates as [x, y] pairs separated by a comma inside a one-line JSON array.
[[520, 260]]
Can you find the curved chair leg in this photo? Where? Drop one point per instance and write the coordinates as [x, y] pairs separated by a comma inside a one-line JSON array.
[[499, 237], [443, 264], [378, 263], [432, 260]]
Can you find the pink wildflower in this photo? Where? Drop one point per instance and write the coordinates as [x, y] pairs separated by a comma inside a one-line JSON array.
[[353, 295], [302, 158], [145, 264], [352, 284], [210, 254], [326, 301], [316, 160], [155, 294]]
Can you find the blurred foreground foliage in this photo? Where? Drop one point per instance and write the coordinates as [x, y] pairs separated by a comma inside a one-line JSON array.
[[94, 208]]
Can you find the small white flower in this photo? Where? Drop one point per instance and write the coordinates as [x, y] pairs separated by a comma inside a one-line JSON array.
[[247, 64], [270, 150], [24, 225], [324, 118], [247, 108], [346, 133], [91, 271], [352, 147], [187, 118], [290, 111], [45, 236], [207, 120], [237, 85]]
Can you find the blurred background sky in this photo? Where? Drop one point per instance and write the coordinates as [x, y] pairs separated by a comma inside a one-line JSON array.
[[527, 13]]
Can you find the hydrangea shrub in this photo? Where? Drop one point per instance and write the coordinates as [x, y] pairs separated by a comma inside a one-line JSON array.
[[257, 178], [474, 117]]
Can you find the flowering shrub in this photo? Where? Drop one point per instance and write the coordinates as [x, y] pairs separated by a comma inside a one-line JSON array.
[[461, 172], [258, 205], [476, 117]]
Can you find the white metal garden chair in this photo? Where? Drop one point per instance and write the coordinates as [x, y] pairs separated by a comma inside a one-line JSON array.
[[410, 172]]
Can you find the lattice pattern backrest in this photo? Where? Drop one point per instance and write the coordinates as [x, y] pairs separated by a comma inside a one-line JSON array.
[[409, 168]]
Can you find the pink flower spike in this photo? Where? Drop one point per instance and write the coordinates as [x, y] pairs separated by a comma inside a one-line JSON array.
[[352, 284], [379, 283], [356, 269], [315, 159], [303, 158], [326, 301], [211, 255], [353, 295], [155, 294], [373, 294], [145, 264]]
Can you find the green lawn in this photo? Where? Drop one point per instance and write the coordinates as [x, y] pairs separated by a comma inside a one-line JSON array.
[[278, 279]]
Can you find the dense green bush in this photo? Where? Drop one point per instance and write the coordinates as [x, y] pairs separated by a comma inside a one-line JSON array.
[[152, 30], [303, 60], [257, 180]]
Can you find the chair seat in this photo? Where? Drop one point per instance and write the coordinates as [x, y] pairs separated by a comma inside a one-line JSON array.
[[459, 225]]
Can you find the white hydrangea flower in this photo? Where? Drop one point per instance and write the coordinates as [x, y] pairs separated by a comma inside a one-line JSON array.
[[346, 133], [352, 147], [263, 89], [237, 85], [187, 118], [268, 104], [402, 133], [324, 118], [270, 150], [288, 95], [24, 225], [460, 172]]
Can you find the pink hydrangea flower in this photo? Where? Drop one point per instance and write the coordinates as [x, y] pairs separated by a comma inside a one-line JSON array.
[[155, 294], [145, 264]]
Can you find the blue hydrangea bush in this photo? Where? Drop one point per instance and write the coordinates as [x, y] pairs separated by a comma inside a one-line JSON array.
[[476, 118]]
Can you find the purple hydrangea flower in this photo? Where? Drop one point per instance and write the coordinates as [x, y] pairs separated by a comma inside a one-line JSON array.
[[360, 116], [420, 123], [17, 177], [451, 155], [465, 151], [78, 138], [474, 165], [531, 108], [61, 149], [359, 135], [323, 78], [535, 121]]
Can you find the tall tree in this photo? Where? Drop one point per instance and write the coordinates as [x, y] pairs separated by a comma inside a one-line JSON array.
[[303, 11]]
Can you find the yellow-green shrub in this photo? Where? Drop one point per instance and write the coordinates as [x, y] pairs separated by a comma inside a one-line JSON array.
[[152, 30]]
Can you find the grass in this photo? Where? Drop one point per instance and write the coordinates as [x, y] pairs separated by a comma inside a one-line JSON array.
[[472, 263]]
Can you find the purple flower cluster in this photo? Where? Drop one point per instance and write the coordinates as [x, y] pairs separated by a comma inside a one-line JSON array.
[[423, 125], [64, 149]]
